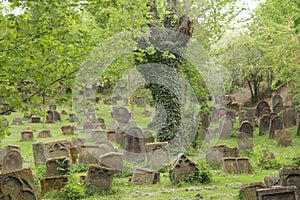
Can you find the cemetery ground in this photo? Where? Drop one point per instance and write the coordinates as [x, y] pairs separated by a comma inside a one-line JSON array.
[[222, 186]]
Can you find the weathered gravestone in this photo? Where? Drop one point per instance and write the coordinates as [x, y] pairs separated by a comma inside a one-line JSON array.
[[260, 106], [271, 181], [134, 145], [236, 165], [88, 126], [275, 124], [158, 154], [221, 113], [17, 121], [276, 99], [112, 160], [216, 153], [77, 142], [18, 185], [89, 154], [246, 127], [99, 178], [57, 166], [98, 134], [12, 161], [105, 146], [225, 127], [273, 115], [245, 142], [264, 124], [49, 184], [35, 119], [284, 138], [53, 116], [290, 177], [58, 148], [38, 153], [250, 113], [148, 137], [277, 193], [67, 130], [122, 115], [214, 114], [7, 149], [289, 118], [145, 176], [231, 114], [27, 135], [111, 135], [182, 168], [265, 111], [44, 134], [248, 190], [278, 107]]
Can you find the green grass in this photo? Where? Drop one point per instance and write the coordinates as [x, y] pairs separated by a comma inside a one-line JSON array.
[[223, 186]]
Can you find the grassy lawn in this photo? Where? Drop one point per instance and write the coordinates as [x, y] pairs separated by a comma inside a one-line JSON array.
[[223, 186]]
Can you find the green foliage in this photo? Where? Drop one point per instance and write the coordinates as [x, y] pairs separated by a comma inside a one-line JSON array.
[[263, 161], [3, 127], [79, 168], [74, 188]]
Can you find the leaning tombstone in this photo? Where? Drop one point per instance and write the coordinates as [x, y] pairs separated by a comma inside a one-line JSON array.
[[182, 168], [89, 154], [12, 161], [277, 193], [284, 138], [225, 127], [248, 190], [221, 113], [264, 124], [18, 185], [99, 178], [158, 154], [112, 160], [57, 166], [275, 124], [265, 111], [145, 176], [260, 106], [67, 129], [289, 118]]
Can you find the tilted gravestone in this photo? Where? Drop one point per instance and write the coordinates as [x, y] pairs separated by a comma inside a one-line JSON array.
[[216, 153], [289, 118], [57, 166], [105, 146], [18, 185], [290, 177], [236, 165], [182, 168], [12, 161], [246, 127], [158, 154], [112, 160], [264, 123], [248, 190], [49, 184], [271, 181], [122, 115], [277, 193], [88, 126], [99, 178], [145, 176], [284, 138], [89, 154], [148, 137], [225, 127], [260, 106], [134, 147], [275, 124]]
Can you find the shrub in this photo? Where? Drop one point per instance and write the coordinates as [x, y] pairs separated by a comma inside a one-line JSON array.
[[263, 160], [74, 188], [201, 175]]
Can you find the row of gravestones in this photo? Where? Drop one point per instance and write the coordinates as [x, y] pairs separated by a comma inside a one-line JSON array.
[[285, 186]]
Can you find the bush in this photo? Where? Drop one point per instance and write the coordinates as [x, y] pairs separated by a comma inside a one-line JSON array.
[[263, 160], [201, 175], [74, 188]]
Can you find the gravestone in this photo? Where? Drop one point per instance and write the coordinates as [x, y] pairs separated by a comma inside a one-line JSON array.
[[278, 107], [158, 154], [112, 160], [289, 118], [182, 168], [148, 137], [88, 126], [273, 115], [12, 161], [277, 193], [134, 145], [248, 190], [17, 121], [216, 153], [53, 116], [98, 134], [145, 176], [7, 149], [52, 107], [77, 142], [99, 178], [264, 124], [44, 134], [91, 116], [27, 135], [58, 148], [18, 185], [290, 177], [74, 154], [122, 115], [221, 113], [214, 114], [265, 111], [120, 136], [38, 153], [276, 99], [236, 165], [271, 181], [73, 117], [111, 135], [57, 166], [246, 127], [105, 146], [284, 138], [260, 106], [275, 124], [67, 130], [35, 119], [55, 183], [235, 106], [245, 143], [225, 127], [89, 154], [231, 114], [250, 113]]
